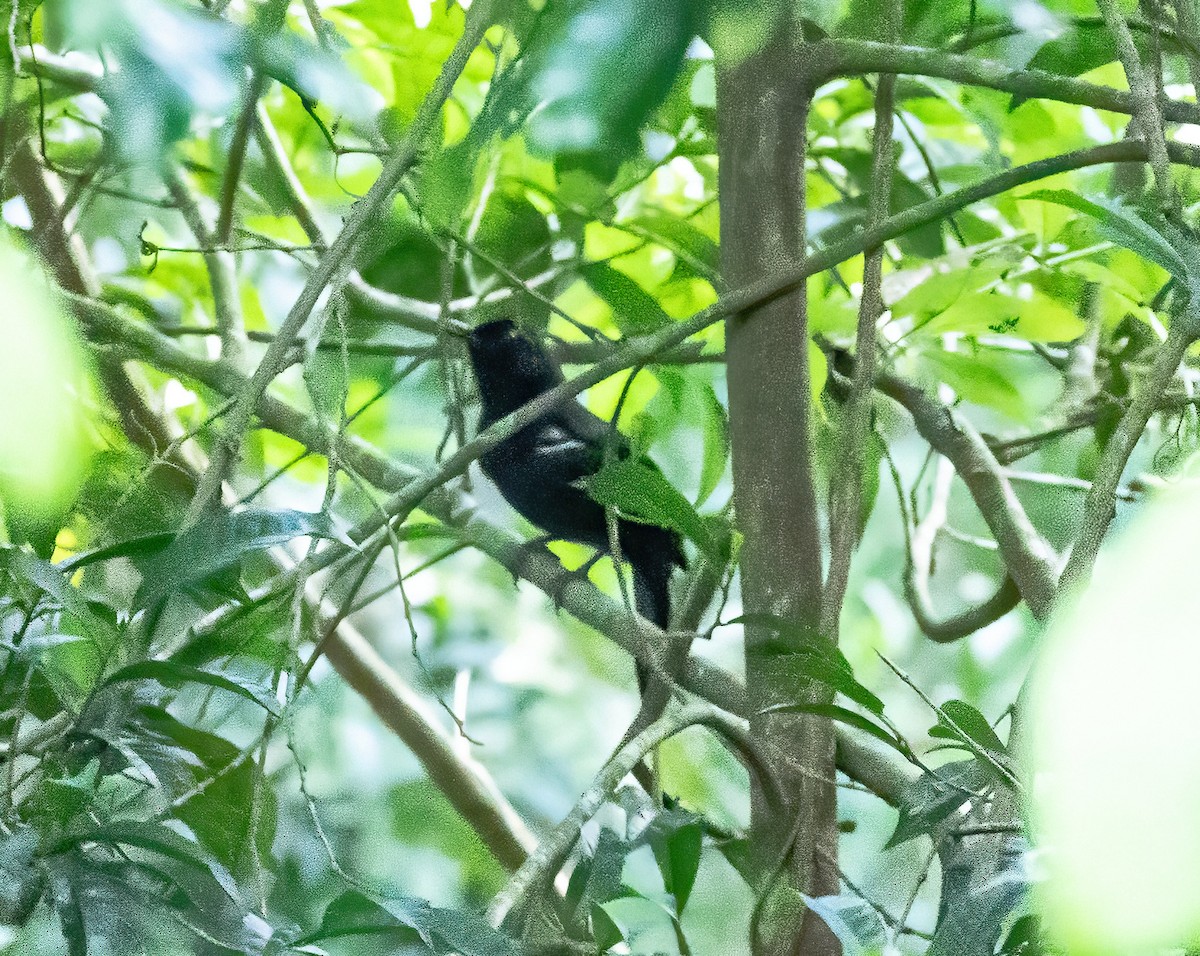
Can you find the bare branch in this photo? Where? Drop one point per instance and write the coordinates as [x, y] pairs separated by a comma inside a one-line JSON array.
[[1028, 557], [553, 851], [921, 539], [856, 57], [845, 495], [338, 259], [1099, 505]]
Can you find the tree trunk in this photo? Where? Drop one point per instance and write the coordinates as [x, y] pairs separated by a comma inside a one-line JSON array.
[[762, 105]]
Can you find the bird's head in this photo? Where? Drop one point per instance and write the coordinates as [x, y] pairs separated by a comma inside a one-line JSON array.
[[510, 366]]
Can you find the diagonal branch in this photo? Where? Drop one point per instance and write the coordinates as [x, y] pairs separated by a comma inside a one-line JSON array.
[[553, 851], [1028, 557], [1099, 505], [465, 783], [883, 772], [339, 257], [855, 57]]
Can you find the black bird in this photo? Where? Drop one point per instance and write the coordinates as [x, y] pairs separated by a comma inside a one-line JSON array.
[[541, 470]]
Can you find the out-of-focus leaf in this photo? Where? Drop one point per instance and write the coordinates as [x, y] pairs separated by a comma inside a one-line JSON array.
[[635, 311], [219, 542], [1121, 225], [933, 797], [43, 384], [171, 62], [1116, 785], [174, 674], [692, 247], [420, 815], [979, 383], [716, 444], [595, 71], [926, 241], [1036, 318], [853, 921], [1081, 48]]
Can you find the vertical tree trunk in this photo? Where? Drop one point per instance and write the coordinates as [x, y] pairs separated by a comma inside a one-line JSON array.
[[762, 106]]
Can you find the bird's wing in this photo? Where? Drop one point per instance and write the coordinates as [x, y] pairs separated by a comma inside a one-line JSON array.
[[553, 441]]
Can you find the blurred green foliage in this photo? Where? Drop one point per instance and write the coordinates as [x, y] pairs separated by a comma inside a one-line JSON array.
[[166, 786]]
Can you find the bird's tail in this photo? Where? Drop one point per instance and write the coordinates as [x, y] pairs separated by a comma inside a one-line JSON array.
[[653, 553]]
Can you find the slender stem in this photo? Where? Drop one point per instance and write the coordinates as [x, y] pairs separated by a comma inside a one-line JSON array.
[[845, 498], [336, 262], [1099, 505]]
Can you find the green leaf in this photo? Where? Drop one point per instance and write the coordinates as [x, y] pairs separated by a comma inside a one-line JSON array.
[[603, 870], [683, 850], [971, 722], [836, 673], [1121, 225], [1024, 938], [640, 491], [1036, 318], [222, 812], [174, 674], [137, 547], [1081, 48], [853, 921], [934, 796], [818, 660], [44, 451], [977, 382], [160, 86], [219, 542], [595, 70], [716, 444], [156, 838], [61, 799], [635, 311], [605, 932], [354, 914], [833, 711], [690, 245]]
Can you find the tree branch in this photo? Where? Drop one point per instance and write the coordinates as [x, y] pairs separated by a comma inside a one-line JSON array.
[[855, 57], [539, 869], [1028, 557], [339, 257], [845, 493]]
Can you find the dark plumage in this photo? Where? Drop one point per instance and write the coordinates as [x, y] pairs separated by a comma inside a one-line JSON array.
[[541, 469]]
